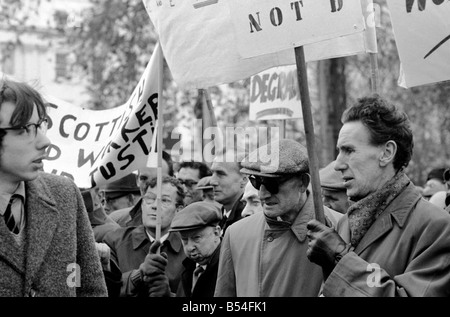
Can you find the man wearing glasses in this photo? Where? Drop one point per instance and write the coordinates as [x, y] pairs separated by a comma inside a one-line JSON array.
[[131, 246], [265, 255], [189, 175], [47, 247]]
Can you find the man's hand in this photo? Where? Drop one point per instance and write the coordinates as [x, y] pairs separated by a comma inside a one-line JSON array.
[[325, 246], [153, 270], [158, 285], [154, 263]]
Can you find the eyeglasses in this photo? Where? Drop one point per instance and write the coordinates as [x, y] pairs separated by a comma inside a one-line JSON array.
[[271, 184], [29, 130], [188, 183]]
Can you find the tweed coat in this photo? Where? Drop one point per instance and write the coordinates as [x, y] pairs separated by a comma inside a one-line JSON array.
[[406, 252], [59, 257]]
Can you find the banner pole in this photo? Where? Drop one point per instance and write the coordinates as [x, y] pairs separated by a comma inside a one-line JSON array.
[[374, 72], [159, 137], [282, 125], [210, 107], [302, 77]]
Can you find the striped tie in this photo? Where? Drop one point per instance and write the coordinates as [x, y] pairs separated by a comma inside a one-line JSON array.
[[9, 218], [197, 272]]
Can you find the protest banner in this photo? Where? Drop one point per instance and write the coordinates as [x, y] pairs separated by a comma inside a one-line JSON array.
[[274, 94], [266, 26], [422, 35], [199, 43], [96, 147]]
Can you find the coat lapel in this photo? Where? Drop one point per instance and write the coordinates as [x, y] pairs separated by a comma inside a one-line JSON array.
[[399, 210], [9, 251], [382, 225], [42, 220]]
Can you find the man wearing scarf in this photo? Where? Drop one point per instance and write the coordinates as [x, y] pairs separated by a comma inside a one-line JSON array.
[[391, 242], [264, 255]]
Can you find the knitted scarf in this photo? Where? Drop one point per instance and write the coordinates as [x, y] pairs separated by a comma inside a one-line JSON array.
[[363, 213]]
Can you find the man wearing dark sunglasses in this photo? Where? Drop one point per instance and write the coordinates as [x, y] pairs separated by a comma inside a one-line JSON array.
[[265, 254]]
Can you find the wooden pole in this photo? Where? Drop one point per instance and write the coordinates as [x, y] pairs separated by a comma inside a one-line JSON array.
[[282, 125], [210, 107], [159, 140], [302, 77], [212, 122], [374, 80]]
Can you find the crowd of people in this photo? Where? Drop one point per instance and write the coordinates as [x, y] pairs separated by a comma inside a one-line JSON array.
[[238, 228]]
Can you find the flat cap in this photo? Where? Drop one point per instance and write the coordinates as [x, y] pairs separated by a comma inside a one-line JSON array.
[[330, 178], [196, 215], [277, 159], [205, 183], [126, 184], [436, 173]]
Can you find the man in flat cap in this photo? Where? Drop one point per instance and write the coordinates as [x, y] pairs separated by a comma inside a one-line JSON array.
[[334, 193], [122, 193], [204, 185], [198, 225], [264, 255], [435, 183]]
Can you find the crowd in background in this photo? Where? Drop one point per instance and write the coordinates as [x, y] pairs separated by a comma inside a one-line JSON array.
[[235, 228]]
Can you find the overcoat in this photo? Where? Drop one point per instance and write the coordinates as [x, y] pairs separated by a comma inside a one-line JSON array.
[[406, 252], [58, 257], [262, 260]]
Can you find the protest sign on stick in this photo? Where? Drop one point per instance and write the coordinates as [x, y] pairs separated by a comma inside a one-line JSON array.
[[263, 27]]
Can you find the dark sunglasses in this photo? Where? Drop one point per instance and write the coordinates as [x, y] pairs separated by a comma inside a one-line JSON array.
[[272, 184]]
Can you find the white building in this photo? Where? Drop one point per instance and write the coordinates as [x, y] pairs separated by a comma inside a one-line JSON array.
[[34, 51]]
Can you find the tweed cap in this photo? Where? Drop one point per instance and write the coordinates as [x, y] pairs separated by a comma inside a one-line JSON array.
[[330, 178], [205, 183], [277, 159], [196, 215]]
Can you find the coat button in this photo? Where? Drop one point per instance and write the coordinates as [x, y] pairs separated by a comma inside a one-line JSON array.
[[270, 238], [32, 293]]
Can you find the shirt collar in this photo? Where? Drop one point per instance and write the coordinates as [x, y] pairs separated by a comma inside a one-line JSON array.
[[5, 197], [298, 226]]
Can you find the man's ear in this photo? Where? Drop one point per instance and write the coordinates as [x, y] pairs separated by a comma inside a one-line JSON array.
[[244, 181], [388, 153], [304, 179], [217, 231]]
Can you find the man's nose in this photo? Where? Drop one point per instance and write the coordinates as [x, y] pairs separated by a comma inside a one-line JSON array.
[[213, 181], [43, 142], [246, 211], [263, 193], [339, 164]]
